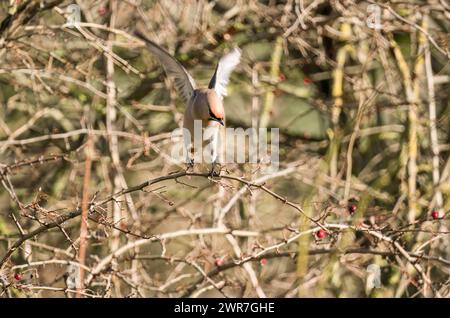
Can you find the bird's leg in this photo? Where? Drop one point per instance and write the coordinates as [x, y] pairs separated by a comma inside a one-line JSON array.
[[189, 150], [214, 152], [190, 164], [190, 160]]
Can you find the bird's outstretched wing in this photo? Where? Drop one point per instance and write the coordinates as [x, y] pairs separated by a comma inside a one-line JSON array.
[[184, 83], [223, 71]]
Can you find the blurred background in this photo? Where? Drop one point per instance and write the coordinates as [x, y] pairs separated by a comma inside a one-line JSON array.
[[358, 89]]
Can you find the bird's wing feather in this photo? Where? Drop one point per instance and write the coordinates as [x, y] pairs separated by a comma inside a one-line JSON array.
[[184, 83], [223, 71]]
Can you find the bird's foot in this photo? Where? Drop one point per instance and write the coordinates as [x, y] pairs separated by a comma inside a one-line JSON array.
[[214, 172]]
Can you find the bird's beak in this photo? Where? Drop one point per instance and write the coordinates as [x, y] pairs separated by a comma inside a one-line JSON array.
[[220, 121]]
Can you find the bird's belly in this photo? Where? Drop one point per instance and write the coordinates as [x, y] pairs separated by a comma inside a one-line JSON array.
[[206, 143]]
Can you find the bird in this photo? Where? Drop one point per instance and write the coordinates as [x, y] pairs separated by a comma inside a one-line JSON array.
[[204, 105]]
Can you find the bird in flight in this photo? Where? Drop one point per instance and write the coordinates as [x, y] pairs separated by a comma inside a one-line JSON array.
[[203, 105]]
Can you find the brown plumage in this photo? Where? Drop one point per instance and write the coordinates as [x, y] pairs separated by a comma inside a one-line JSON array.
[[203, 104]]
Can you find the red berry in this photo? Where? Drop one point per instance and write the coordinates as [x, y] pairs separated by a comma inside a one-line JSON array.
[[219, 261], [306, 80], [352, 208], [17, 276], [321, 233], [435, 215], [282, 77], [263, 261]]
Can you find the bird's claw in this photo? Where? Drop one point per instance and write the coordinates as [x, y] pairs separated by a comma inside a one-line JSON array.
[[213, 172]]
